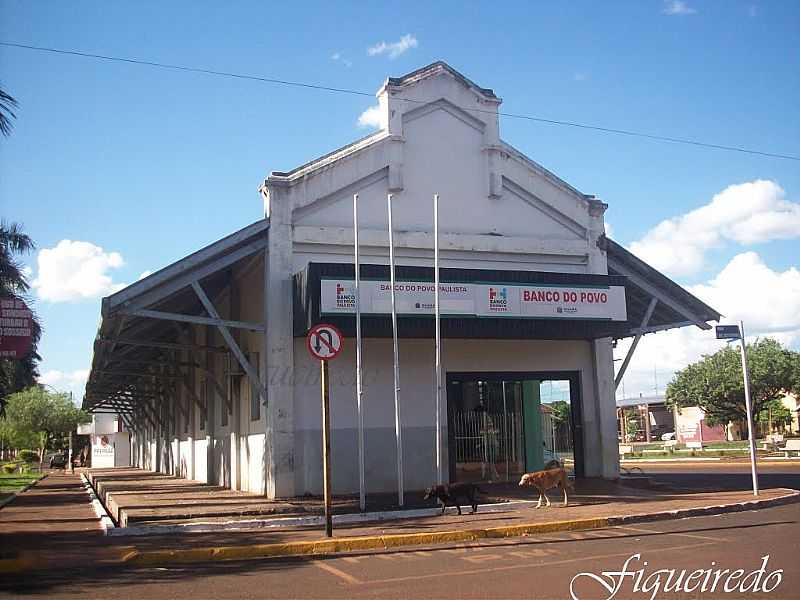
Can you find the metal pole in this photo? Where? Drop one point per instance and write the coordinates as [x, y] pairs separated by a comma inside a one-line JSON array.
[[71, 466], [359, 386], [748, 406], [326, 446], [505, 430], [437, 318], [397, 428]]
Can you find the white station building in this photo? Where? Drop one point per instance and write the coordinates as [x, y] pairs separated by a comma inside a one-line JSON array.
[[206, 359]]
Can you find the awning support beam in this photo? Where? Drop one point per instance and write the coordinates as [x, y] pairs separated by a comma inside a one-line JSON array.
[[163, 345], [170, 316], [252, 373], [645, 320], [654, 292]]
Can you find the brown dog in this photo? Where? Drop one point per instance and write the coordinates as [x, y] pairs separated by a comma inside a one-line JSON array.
[[545, 480]]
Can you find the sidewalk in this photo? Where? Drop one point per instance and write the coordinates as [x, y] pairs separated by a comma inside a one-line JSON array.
[[53, 518], [53, 525]]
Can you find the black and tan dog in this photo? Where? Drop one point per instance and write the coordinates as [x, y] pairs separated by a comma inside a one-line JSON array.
[[453, 493]]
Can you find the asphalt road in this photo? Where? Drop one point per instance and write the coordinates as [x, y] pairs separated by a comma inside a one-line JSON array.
[[534, 567], [723, 475]]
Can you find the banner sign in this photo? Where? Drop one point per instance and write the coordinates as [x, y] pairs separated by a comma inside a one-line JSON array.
[[16, 332], [536, 301]]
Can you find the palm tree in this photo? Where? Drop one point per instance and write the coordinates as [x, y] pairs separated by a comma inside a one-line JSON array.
[[19, 373], [13, 241], [7, 106]]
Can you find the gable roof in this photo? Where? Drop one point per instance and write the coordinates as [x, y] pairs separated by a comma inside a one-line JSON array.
[[434, 69]]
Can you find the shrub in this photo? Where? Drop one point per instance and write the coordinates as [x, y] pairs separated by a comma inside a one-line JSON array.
[[28, 456], [9, 468]]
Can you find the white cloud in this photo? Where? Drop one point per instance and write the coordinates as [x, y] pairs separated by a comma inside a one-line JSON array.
[[609, 230], [768, 304], [677, 8], [144, 274], [372, 117], [69, 381], [746, 213], [393, 49], [748, 290], [337, 57], [75, 270]]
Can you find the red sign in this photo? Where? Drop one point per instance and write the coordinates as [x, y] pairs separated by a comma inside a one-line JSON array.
[[324, 342], [16, 328]]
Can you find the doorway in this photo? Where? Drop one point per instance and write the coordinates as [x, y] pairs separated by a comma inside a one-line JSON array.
[[501, 425]]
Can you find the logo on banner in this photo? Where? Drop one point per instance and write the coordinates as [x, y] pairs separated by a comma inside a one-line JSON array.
[[345, 297], [498, 299]]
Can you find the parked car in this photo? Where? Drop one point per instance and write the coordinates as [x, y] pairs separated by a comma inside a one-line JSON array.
[[58, 461], [668, 436]]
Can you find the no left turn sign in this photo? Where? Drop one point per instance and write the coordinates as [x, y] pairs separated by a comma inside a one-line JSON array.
[[324, 341]]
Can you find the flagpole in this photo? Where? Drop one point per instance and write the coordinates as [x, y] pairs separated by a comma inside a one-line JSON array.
[[437, 317], [397, 428], [359, 385]]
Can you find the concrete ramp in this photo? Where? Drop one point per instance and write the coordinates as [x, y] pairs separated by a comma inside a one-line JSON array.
[[134, 497]]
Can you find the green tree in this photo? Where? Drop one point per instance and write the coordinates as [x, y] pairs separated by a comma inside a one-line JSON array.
[[16, 374], [715, 383], [560, 411], [7, 106], [775, 414], [43, 415]]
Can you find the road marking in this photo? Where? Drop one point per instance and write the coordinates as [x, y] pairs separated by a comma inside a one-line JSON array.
[[524, 566], [680, 533], [596, 533], [480, 558], [533, 553], [322, 564]]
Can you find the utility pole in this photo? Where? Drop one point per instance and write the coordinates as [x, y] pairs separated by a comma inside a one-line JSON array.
[[736, 332], [749, 408]]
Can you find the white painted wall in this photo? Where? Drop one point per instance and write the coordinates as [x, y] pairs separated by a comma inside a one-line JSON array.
[[417, 405]]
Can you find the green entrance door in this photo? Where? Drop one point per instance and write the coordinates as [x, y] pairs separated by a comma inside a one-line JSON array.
[[532, 425]]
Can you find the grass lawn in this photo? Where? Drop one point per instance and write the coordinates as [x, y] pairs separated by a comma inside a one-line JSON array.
[[10, 483]]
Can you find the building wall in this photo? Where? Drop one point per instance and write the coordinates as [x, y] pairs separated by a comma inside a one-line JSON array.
[[417, 406]]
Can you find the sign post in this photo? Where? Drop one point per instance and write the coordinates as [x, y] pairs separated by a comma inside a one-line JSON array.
[[734, 332], [324, 342]]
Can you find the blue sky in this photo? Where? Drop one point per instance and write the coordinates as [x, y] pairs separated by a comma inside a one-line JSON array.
[[151, 164]]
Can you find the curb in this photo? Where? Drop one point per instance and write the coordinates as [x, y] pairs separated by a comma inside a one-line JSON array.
[[11, 498], [308, 521], [382, 542], [106, 523], [385, 542]]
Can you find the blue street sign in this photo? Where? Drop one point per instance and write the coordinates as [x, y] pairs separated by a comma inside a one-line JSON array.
[[728, 332]]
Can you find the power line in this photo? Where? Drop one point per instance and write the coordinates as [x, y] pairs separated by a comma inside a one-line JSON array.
[[324, 88]]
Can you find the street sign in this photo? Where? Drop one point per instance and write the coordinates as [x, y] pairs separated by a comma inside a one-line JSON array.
[[324, 342], [16, 328], [728, 332]]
